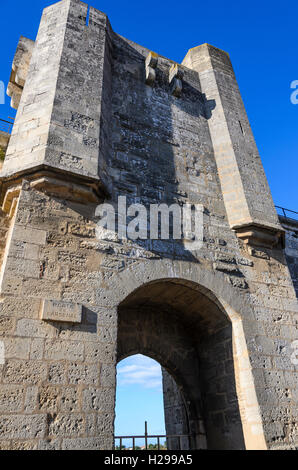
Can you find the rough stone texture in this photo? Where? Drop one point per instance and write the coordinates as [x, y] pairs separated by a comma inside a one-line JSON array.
[[221, 320]]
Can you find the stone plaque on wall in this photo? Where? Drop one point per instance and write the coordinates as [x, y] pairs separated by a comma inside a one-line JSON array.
[[57, 310]]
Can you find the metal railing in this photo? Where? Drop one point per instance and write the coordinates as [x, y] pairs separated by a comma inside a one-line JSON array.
[[288, 213], [6, 126], [182, 441]]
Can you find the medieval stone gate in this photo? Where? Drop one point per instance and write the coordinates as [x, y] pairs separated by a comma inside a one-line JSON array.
[[101, 117]]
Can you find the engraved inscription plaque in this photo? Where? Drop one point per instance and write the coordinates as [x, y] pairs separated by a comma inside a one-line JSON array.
[[57, 310]]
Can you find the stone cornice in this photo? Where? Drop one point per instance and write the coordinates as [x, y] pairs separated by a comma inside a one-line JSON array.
[[58, 183]]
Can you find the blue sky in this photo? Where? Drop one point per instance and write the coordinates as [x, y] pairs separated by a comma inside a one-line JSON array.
[[139, 397], [261, 38]]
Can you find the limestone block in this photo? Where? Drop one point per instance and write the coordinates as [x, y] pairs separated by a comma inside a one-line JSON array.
[[11, 398], [24, 372], [23, 427], [67, 425], [97, 400], [83, 374], [96, 443], [70, 400], [31, 400], [61, 349], [16, 348], [57, 373]]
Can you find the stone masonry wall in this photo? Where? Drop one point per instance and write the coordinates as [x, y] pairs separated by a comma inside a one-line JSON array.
[[57, 382], [54, 254]]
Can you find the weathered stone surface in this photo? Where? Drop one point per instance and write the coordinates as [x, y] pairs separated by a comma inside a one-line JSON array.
[[22, 427]]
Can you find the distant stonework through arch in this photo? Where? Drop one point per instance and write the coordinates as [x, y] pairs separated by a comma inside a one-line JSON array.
[[176, 323]]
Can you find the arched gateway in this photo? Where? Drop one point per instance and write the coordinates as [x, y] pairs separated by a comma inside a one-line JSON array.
[[199, 340], [103, 120]]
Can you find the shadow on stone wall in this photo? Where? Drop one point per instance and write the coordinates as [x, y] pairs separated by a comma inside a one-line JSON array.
[[150, 157]]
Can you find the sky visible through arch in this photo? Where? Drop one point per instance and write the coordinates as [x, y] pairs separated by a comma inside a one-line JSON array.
[[139, 398]]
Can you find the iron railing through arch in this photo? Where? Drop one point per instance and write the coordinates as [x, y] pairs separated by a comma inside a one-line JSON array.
[[183, 441], [180, 441], [6, 126]]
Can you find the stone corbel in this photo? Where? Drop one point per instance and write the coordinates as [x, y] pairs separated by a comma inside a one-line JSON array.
[[256, 235], [56, 183], [150, 66], [175, 80], [14, 91], [20, 67]]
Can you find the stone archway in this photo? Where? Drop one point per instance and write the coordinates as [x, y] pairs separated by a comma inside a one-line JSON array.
[[176, 323]]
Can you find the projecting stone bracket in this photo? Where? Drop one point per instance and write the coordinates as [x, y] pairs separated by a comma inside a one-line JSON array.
[[55, 182], [175, 80], [257, 235], [20, 67], [150, 66], [10, 200]]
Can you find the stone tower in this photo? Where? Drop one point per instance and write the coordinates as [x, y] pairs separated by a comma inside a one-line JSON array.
[[101, 118]]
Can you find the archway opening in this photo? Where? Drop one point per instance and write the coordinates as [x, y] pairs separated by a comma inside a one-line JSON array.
[[139, 400], [148, 400], [183, 327]]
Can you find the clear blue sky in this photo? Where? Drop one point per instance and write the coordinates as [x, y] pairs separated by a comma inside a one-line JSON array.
[[261, 37]]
